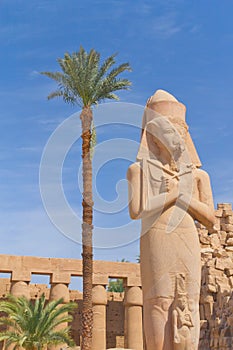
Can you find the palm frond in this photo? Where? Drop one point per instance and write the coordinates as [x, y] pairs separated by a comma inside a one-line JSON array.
[[118, 70], [34, 325], [57, 76], [85, 81], [56, 93]]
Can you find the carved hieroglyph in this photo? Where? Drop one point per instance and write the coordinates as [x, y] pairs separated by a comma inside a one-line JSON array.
[[168, 191]]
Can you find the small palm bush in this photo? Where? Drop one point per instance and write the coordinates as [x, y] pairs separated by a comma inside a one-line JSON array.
[[34, 325]]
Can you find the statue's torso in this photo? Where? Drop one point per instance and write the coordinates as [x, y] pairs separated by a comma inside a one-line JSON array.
[[169, 240], [187, 184]]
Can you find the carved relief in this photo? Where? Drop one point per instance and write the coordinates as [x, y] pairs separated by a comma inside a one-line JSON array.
[[182, 318]]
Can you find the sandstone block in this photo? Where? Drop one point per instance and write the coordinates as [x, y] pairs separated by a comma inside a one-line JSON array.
[[229, 227], [210, 263], [229, 249], [229, 234], [215, 242], [100, 278], [204, 239], [229, 241], [226, 213], [223, 236], [215, 272], [58, 277], [207, 251], [229, 220], [224, 206], [21, 275], [223, 285], [229, 272], [218, 213], [220, 264], [224, 263], [219, 253]]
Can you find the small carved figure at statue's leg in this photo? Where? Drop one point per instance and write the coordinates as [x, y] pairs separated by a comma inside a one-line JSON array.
[[181, 317]]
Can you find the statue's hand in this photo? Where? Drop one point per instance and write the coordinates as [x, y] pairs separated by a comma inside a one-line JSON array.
[[165, 185], [169, 185]]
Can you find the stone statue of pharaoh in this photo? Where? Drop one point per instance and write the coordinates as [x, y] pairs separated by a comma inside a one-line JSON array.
[[168, 191]]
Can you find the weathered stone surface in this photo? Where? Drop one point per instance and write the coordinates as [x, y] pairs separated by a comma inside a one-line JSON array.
[[229, 241], [217, 312], [229, 219], [218, 213], [229, 249], [227, 213], [229, 272], [226, 227], [224, 206], [166, 174]]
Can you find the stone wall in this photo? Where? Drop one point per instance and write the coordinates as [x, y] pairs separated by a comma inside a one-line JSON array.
[[216, 302], [118, 317]]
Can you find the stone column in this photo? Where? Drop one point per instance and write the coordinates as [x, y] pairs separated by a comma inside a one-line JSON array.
[[19, 289], [99, 302], [133, 318], [59, 289]]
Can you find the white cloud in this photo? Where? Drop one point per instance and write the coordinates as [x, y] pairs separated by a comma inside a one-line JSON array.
[[166, 25]]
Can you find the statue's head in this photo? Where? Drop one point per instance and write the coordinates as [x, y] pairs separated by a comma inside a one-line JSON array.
[[182, 300], [164, 134], [164, 119]]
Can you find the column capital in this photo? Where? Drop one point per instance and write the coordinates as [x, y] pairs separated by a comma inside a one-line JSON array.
[[133, 296], [20, 288], [59, 290], [99, 295]]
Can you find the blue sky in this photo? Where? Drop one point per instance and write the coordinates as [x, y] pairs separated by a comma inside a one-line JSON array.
[[184, 47]]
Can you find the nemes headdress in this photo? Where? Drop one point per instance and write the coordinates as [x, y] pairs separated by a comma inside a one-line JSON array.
[[164, 105]]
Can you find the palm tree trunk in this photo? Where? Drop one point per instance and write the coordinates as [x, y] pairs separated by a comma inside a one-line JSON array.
[[87, 255]]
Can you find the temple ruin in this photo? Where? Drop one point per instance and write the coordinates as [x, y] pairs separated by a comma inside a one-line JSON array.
[[118, 316]]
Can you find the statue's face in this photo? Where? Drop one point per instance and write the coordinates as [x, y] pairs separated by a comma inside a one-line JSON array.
[[182, 301], [164, 133]]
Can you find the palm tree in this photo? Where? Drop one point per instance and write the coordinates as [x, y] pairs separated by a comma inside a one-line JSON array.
[[33, 326], [85, 82]]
